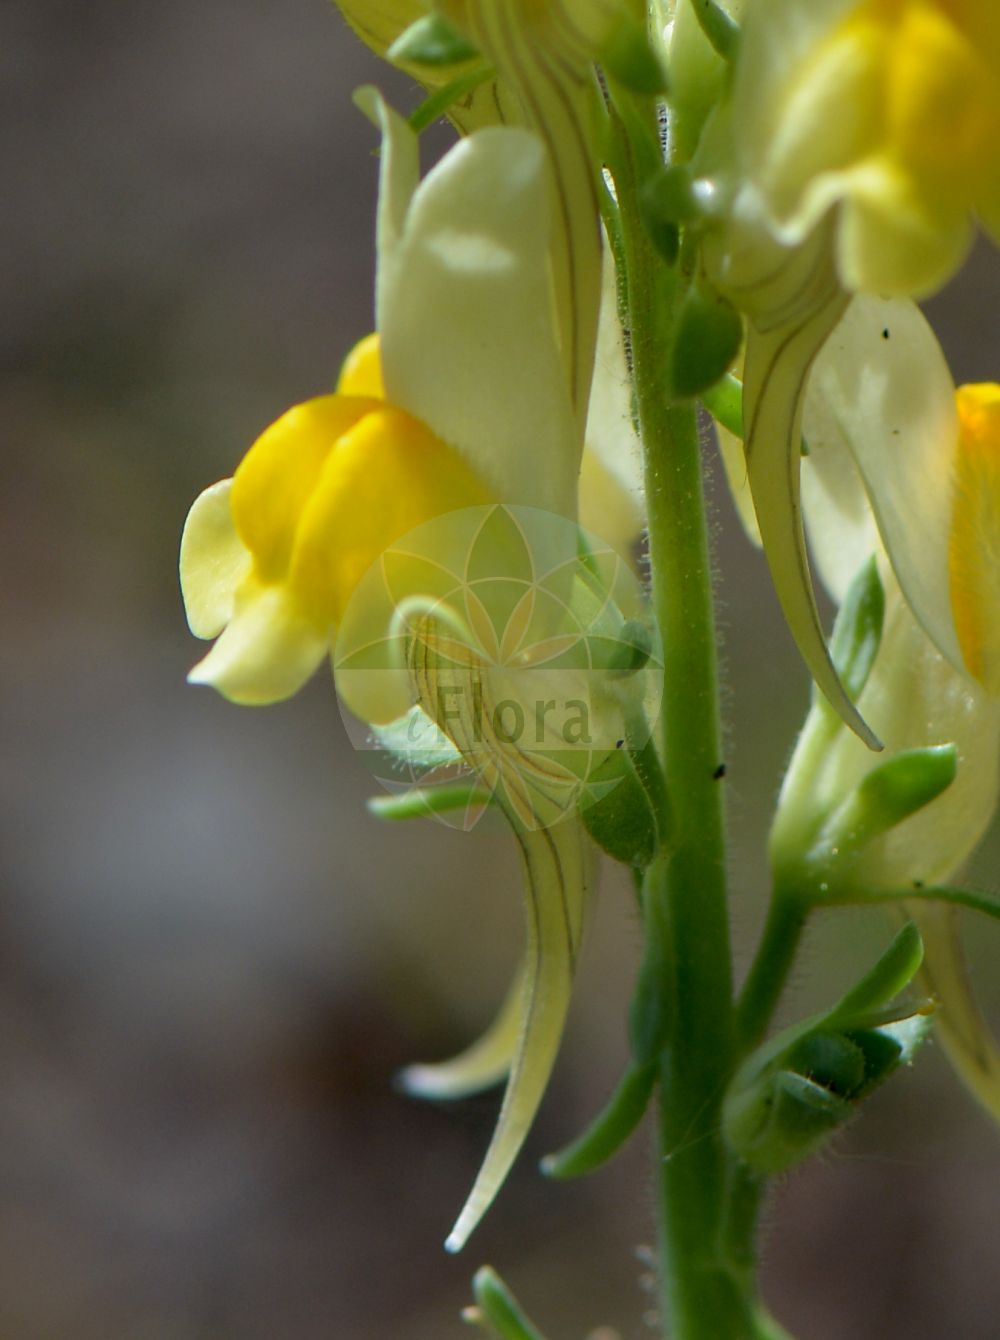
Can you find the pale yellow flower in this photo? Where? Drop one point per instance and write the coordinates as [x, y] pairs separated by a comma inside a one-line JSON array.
[[888, 111], [904, 466]]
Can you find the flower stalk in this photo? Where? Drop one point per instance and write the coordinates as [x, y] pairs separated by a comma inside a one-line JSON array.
[[703, 1295]]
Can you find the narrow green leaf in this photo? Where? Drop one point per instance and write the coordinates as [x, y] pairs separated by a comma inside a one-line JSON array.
[[442, 99], [891, 974], [497, 1307], [722, 31], [421, 801], [610, 1129], [857, 633]]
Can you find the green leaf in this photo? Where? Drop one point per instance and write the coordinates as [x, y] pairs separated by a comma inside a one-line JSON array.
[[497, 1311], [432, 41], [609, 1130], [857, 634], [650, 1008], [621, 818], [438, 103], [891, 974], [708, 337], [419, 802]]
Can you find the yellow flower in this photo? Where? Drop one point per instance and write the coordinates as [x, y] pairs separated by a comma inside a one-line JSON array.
[[889, 109], [904, 466], [477, 408], [464, 399]]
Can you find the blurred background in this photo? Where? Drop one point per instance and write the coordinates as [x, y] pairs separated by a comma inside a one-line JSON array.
[[212, 960]]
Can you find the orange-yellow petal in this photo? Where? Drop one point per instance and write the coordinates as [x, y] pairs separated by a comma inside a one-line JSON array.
[[974, 558]]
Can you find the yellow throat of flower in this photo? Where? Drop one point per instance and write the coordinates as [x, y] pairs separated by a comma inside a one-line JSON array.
[[974, 557]]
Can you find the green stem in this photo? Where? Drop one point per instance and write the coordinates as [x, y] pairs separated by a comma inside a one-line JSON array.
[[768, 973], [704, 1297], [986, 903]]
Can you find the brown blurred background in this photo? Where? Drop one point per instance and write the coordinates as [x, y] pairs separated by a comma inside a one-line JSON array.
[[212, 960]]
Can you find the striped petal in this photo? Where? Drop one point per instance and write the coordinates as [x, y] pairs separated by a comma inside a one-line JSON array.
[[556, 860], [480, 1066], [556, 872], [791, 312]]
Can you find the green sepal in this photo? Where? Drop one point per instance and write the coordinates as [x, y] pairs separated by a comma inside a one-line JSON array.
[[857, 633], [609, 1130], [629, 58], [894, 971], [832, 1060], [649, 1011], [722, 31], [724, 401], [890, 793], [665, 201], [419, 802], [794, 1092], [708, 337], [621, 818], [416, 742], [438, 103], [431, 41], [669, 195], [784, 1122], [622, 653], [497, 1311]]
